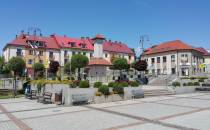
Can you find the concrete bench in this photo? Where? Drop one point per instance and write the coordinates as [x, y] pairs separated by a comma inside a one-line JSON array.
[[45, 98], [137, 94], [81, 99]]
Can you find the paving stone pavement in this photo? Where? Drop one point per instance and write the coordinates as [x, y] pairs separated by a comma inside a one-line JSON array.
[[174, 112]]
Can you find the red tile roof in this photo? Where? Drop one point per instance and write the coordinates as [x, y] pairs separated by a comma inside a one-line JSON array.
[[117, 47], [168, 46], [65, 42], [203, 51], [21, 40], [57, 42], [99, 61]]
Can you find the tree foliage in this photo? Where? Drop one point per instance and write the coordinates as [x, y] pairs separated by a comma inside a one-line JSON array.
[[68, 68], [17, 65], [120, 64], [53, 67], [38, 69], [140, 65], [79, 61], [4, 68]]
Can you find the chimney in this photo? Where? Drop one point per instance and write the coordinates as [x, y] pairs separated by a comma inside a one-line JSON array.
[[82, 38], [110, 40], [16, 36], [115, 41], [64, 35], [87, 38]]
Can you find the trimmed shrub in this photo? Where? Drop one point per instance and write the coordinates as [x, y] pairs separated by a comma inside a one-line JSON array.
[[133, 83], [104, 89], [175, 84], [201, 80], [20, 91], [196, 84], [118, 89], [123, 84], [184, 84], [84, 84], [190, 84], [97, 84], [192, 78], [111, 84]]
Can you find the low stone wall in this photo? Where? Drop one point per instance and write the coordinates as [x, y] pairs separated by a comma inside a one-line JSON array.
[[110, 98], [68, 92], [185, 89], [128, 91]]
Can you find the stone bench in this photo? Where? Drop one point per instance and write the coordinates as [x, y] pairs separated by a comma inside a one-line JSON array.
[[81, 99], [137, 94]]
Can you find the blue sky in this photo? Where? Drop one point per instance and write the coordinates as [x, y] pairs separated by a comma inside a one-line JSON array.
[[120, 20]]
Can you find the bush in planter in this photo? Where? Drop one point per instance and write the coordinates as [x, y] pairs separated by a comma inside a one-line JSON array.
[[192, 78], [123, 84], [175, 84], [196, 84], [97, 84], [190, 84], [111, 84], [104, 89], [184, 84], [133, 83], [201, 80], [84, 84], [118, 89]]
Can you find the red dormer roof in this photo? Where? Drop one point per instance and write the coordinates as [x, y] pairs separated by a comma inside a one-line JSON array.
[[22, 39], [168, 46], [65, 42]]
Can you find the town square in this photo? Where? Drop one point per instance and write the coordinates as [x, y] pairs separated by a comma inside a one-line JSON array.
[[104, 65]]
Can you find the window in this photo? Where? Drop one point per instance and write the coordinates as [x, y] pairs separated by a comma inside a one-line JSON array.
[[50, 54], [79, 52], [158, 59], [41, 53], [84, 53], [65, 53], [40, 61], [73, 53], [153, 60], [19, 52], [172, 58], [65, 61], [83, 45], [72, 44], [30, 61], [164, 59], [184, 58], [30, 52], [91, 54], [129, 57], [106, 55]]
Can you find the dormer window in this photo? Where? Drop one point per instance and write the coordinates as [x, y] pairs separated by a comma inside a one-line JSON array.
[[72, 44], [83, 45]]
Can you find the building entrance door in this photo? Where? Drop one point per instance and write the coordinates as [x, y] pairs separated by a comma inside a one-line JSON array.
[[185, 71], [173, 70]]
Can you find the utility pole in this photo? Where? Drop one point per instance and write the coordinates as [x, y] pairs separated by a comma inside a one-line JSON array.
[[143, 39]]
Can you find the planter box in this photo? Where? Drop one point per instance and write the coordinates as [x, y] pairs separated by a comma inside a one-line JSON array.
[[109, 98], [186, 89], [68, 92], [128, 91]]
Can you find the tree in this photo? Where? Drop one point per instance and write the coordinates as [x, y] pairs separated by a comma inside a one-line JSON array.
[[4, 68], [17, 65], [53, 67], [120, 64], [140, 65], [79, 61], [38, 69]]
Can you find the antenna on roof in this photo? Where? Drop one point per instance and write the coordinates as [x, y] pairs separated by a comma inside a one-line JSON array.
[[143, 39], [34, 31]]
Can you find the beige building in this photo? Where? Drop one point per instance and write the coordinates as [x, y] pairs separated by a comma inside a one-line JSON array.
[[173, 57]]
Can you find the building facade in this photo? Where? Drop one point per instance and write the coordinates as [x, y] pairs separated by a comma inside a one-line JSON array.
[[61, 48], [174, 57]]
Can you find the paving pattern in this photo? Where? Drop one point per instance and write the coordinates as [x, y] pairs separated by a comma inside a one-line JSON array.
[[174, 112]]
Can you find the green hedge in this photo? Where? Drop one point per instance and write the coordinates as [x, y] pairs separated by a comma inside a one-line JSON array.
[[84, 84], [104, 89], [175, 84], [97, 84]]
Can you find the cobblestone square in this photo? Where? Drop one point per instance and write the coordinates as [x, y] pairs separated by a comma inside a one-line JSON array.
[[173, 112]]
